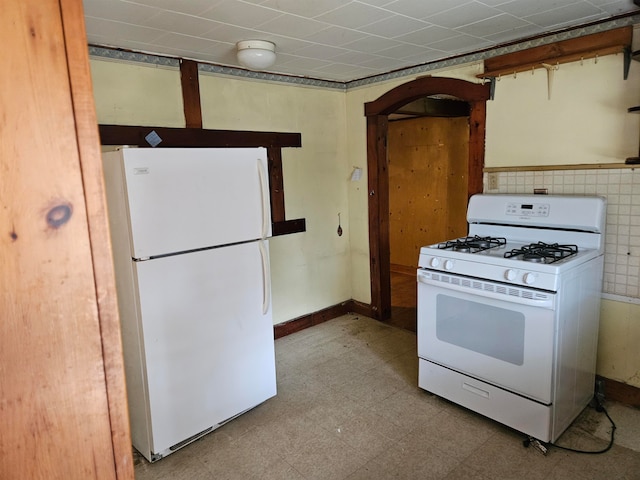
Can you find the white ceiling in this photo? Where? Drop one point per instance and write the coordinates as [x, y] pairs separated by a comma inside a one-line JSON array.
[[338, 40]]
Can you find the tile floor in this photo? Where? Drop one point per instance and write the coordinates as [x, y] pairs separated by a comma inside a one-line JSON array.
[[348, 407]]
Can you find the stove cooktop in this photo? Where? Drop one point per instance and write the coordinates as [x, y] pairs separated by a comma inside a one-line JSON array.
[[524, 240], [537, 264], [537, 252]]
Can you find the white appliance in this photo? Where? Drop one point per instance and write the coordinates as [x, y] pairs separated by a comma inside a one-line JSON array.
[[508, 316], [189, 229]]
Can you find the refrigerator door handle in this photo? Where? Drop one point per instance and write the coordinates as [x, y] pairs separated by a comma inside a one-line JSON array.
[[266, 278], [264, 190]]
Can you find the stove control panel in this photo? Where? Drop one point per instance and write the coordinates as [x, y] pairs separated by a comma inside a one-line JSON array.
[[524, 274], [528, 209]]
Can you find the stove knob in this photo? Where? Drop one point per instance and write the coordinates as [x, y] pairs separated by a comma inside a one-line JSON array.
[[434, 262], [510, 275], [529, 278], [448, 264]]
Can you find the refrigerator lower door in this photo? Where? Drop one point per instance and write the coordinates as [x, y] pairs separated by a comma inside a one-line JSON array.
[[208, 340]]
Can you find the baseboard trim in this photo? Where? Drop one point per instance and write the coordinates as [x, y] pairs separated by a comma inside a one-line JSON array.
[[620, 392], [324, 315], [306, 321]]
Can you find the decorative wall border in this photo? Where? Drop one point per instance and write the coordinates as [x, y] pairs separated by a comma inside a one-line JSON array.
[[125, 55]]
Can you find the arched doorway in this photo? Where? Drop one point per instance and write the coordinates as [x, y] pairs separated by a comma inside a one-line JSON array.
[[377, 113]]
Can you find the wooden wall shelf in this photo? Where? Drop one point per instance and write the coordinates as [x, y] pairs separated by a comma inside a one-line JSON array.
[[575, 49]]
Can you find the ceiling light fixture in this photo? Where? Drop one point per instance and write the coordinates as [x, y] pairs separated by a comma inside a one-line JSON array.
[[256, 54]]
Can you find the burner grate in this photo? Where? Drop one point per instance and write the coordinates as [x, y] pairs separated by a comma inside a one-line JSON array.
[[473, 244], [541, 252]]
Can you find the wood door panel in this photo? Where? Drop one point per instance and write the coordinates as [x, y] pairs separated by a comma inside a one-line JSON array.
[[428, 170], [53, 405]]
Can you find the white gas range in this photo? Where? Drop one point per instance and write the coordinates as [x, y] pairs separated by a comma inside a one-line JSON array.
[[508, 316]]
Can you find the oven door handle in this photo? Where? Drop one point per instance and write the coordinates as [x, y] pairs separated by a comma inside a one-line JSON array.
[[486, 289]]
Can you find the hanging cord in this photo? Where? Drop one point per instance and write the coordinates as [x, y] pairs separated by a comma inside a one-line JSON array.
[[599, 408]]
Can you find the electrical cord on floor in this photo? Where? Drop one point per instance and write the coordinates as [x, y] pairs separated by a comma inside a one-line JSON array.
[[599, 408]]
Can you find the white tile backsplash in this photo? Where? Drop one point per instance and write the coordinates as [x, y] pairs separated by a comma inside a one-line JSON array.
[[621, 187]]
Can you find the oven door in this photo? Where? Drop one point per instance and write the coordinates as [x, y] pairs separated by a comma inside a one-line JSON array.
[[500, 334]]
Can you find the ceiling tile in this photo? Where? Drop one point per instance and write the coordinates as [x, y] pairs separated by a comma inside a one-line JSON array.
[[493, 25], [428, 35], [613, 8], [495, 3], [372, 44], [428, 55], [230, 34], [122, 31], [461, 42], [523, 8], [179, 22], [565, 14], [526, 31], [354, 58], [293, 26], [377, 3], [463, 15], [185, 42], [191, 7], [335, 36], [402, 51], [119, 11], [421, 9], [303, 8], [393, 26], [300, 63], [240, 14], [320, 51], [381, 62], [354, 15], [287, 44]]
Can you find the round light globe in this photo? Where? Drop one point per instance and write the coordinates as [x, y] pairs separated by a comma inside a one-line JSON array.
[[256, 54]]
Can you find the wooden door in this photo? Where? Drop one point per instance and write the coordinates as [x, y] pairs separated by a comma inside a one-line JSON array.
[[62, 398], [428, 169]]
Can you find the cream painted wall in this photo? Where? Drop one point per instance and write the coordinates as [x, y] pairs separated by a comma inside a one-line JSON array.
[[310, 270], [618, 352], [137, 94], [585, 121]]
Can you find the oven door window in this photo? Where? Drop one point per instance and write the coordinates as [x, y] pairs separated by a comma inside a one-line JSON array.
[[493, 331]]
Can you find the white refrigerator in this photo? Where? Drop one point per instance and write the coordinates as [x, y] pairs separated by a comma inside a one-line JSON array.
[[189, 228]]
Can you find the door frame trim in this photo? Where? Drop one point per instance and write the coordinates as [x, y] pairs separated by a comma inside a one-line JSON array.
[[377, 112]]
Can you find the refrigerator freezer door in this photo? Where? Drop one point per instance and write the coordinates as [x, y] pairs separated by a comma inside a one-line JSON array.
[[209, 347], [182, 199]]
